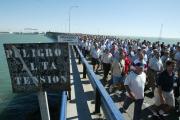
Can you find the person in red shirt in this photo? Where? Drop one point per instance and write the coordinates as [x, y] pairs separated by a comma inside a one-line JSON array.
[[127, 64]]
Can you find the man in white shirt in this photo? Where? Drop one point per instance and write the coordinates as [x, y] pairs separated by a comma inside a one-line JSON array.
[[106, 59], [95, 52], [135, 84], [155, 66]]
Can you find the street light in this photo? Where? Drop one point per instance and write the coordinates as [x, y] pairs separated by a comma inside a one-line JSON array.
[[70, 16], [160, 34]]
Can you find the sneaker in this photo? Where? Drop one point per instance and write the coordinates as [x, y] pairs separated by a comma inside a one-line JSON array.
[[118, 93], [155, 114], [161, 112]]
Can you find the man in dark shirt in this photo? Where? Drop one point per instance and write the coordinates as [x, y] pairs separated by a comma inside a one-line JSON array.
[[164, 95]]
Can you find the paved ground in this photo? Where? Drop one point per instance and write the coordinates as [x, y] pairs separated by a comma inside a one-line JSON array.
[[81, 106]]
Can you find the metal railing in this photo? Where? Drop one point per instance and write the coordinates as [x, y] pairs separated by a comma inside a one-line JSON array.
[[63, 105], [102, 97]]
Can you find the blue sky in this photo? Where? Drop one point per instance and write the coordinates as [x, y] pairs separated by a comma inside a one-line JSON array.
[[110, 17]]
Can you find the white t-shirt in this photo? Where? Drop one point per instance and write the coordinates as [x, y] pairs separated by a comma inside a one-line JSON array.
[[156, 64], [136, 84], [95, 53]]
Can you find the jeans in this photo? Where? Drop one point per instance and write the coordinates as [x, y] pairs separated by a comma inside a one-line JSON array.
[[137, 106]]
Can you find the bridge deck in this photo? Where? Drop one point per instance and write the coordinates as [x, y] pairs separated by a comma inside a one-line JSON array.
[[82, 103]]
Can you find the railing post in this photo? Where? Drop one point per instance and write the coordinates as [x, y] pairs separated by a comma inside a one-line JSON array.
[[79, 59], [76, 52], [84, 70], [69, 95], [77, 55], [63, 106], [97, 102]]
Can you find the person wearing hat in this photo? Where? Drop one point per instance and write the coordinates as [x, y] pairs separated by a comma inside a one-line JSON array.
[[140, 58], [135, 84]]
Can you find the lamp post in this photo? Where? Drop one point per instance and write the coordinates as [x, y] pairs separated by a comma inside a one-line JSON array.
[[160, 34], [70, 16]]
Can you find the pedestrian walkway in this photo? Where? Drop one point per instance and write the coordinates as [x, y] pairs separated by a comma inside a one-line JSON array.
[[81, 106]]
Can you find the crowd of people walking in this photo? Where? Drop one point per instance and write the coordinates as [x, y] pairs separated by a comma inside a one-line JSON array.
[[132, 66]]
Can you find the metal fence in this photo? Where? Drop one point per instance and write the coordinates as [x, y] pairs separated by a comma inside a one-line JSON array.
[[63, 105]]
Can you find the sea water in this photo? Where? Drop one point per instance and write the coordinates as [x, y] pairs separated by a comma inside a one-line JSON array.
[[21, 106]]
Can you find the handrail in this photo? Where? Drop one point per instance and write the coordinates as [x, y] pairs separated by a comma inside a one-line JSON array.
[[111, 110], [63, 106]]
